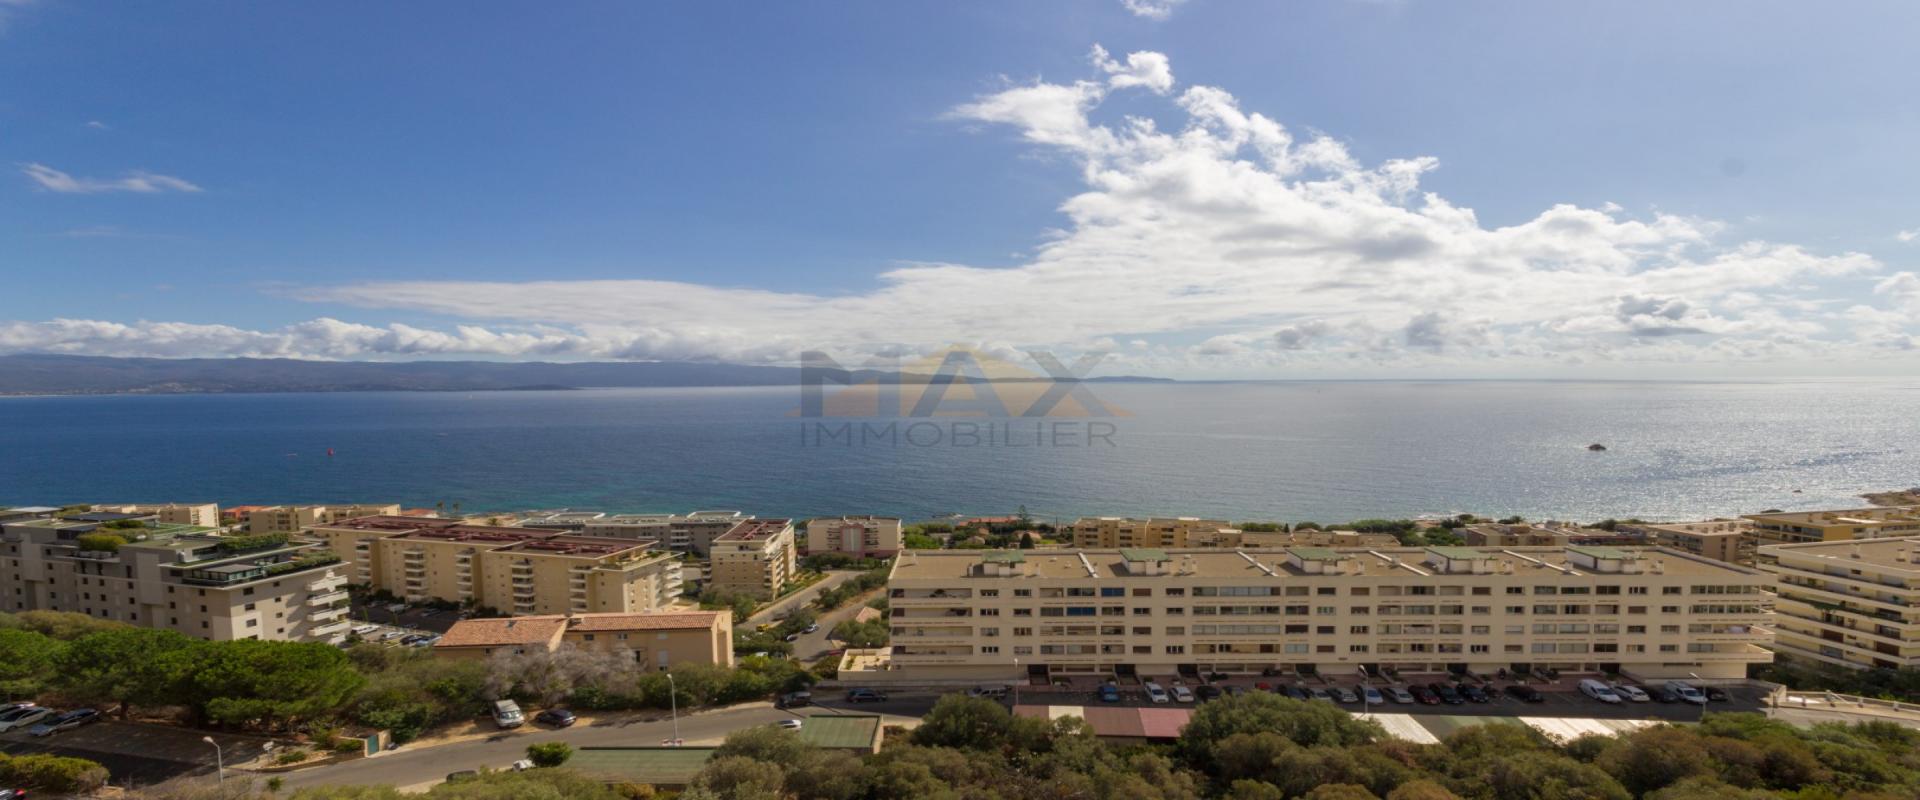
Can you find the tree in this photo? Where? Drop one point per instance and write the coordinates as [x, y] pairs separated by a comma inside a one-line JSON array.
[[1026, 540], [1305, 723], [740, 778], [1651, 759], [133, 666], [256, 682], [764, 743], [28, 662], [872, 633], [1339, 791], [1421, 789], [549, 754]]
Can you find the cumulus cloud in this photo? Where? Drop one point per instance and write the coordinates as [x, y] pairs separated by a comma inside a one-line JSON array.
[[1269, 245], [138, 181], [1151, 9], [1908, 236]]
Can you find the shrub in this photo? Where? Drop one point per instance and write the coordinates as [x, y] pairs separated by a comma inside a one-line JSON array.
[[549, 754], [102, 542], [291, 756], [57, 774]]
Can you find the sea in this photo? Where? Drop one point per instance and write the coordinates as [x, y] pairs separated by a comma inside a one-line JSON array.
[[1288, 451]]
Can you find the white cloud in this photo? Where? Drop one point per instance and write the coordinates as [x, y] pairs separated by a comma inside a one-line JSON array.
[[1226, 240], [1908, 236], [138, 181], [1151, 9], [98, 125]]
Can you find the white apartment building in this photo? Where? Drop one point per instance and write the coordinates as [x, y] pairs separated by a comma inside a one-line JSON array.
[[1646, 611], [861, 536], [1850, 603]]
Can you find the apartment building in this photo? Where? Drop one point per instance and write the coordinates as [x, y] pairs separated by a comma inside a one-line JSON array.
[[518, 570], [688, 533], [1254, 540], [1835, 526], [861, 537], [205, 515], [1090, 532], [1851, 603], [659, 641], [293, 519], [1650, 612], [176, 577], [1729, 540], [755, 558], [1529, 535]]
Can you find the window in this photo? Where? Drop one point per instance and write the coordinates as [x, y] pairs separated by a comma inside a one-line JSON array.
[[1176, 649], [989, 631], [989, 649], [1113, 591]]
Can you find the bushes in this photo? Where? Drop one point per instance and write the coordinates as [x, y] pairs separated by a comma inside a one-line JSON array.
[[873, 633], [101, 542], [57, 774], [549, 754], [830, 599]]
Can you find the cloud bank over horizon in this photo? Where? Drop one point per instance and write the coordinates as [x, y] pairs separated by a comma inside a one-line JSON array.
[[1208, 239]]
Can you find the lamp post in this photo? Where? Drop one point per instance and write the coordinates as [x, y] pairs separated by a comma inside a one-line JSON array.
[[673, 702], [219, 759], [1016, 681], [1704, 699]]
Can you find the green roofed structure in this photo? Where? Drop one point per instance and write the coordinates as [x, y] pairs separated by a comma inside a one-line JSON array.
[[665, 767], [843, 732]]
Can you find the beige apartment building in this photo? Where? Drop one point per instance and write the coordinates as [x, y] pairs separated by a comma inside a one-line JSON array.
[[1308, 538], [861, 536], [1091, 532], [205, 515], [1649, 612], [1851, 603], [756, 558], [688, 533], [1729, 540], [293, 519], [1835, 526], [659, 641], [176, 577], [1493, 534], [517, 570]]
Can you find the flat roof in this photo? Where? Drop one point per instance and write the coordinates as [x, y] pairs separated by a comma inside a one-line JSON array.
[[687, 620], [1845, 516], [1882, 553], [476, 533], [1314, 553], [1144, 554], [1609, 553], [1065, 563], [1001, 557], [841, 731], [668, 766], [752, 529], [569, 545], [1460, 553]]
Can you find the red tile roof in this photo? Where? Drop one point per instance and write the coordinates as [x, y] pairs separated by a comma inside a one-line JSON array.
[[544, 631], [689, 620]]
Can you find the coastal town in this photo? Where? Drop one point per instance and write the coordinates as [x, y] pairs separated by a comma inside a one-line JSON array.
[[1130, 624]]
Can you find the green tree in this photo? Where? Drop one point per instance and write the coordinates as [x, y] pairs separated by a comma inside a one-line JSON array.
[[764, 743], [255, 682], [1655, 758], [1339, 791], [740, 778], [549, 754], [128, 667], [1422, 789], [28, 662], [1305, 723]]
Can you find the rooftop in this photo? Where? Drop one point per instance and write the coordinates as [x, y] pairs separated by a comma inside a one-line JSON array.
[[396, 523], [499, 632], [1897, 553], [475, 533], [665, 766], [1065, 564], [566, 545], [842, 731], [753, 529], [1853, 516], [677, 621]]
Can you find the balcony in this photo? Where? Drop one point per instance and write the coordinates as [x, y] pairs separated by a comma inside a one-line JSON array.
[[327, 584], [334, 628], [326, 614], [327, 599]]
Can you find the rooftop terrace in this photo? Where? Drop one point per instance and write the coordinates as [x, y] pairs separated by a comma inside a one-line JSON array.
[[1099, 564]]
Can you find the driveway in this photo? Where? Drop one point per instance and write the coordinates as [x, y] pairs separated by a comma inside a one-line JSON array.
[[419, 767], [811, 647], [801, 598]]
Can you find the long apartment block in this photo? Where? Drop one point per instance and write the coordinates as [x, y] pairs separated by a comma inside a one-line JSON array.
[[516, 570], [690, 533], [862, 536], [1851, 603], [176, 577], [757, 558], [1835, 526], [1652, 612]]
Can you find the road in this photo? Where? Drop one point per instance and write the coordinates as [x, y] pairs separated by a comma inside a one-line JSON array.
[[811, 646], [414, 767], [800, 598]]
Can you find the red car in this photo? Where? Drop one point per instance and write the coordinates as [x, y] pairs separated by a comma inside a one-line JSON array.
[[1263, 686], [1425, 695]]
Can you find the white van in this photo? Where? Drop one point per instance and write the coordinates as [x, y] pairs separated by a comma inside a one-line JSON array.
[[1157, 694], [506, 714], [1687, 692], [1598, 691]]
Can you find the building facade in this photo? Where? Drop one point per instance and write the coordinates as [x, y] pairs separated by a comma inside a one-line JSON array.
[[205, 515], [756, 558], [293, 519], [1650, 612], [860, 537], [1835, 526], [515, 570], [176, 577], [1729, 540], [658, 641], [687, 533], [1850, 603], [1107, 532]]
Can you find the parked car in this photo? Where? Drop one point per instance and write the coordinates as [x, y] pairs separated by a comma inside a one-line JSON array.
[[1598, 691], [792, 637], [1687, 692], [1448, 694], [64, 722], [1182, 694], [1717, 694], [1525, 694], [1630, 692], [1265, 687], [1663, 694], [1206, 692], [429, 641], [1157, 694], [794, 700], [1424, 695], [1346, 695], [1319, 693], [521, 766], [557, 717], [415, 638], [1235, 691], [1298, 693], [23, 717], [1475, 694], [865, 696], [812, 627], [507, 714], [1372, 696], [1109, 693], [790, 724], [363, 630], [13, 794], [990, 692], [1399, 694]]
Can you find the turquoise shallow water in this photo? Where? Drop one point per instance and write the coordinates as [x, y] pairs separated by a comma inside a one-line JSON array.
[[1292, 451]]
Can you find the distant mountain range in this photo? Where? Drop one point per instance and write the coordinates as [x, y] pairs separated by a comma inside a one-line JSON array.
[[60, 374]]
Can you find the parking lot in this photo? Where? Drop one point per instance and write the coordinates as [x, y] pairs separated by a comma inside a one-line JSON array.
[[138, 753], [1557, 699]]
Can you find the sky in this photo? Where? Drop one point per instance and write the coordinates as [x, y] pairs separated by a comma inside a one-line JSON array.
[[1197, 189]]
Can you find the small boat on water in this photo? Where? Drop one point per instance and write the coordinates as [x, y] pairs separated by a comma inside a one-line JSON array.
[[1596, 447]]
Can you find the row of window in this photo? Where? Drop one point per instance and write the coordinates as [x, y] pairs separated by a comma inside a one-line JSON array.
[[1570, 609], [1351, 591]]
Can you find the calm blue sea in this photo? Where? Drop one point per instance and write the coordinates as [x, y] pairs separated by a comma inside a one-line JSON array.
[[1289, 451]]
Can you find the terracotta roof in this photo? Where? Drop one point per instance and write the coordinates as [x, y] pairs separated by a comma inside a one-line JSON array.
[[866, 614], [688, 620], [503, 631]]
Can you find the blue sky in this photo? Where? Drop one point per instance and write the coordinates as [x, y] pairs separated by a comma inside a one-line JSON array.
[[742, 182]]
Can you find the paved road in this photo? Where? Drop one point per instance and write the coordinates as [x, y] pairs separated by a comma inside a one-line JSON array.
[[799, 598], [811, 646], [413, 767]]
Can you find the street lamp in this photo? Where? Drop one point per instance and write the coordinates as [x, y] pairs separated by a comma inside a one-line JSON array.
[[1704, 699], [1016, 681], [219, 761], [673, 702]]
